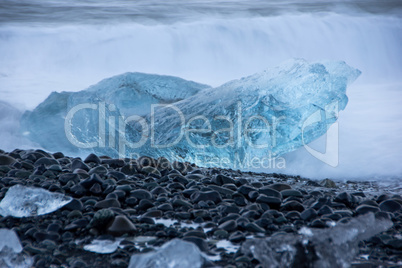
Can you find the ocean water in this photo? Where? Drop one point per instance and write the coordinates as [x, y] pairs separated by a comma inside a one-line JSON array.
[[62, 45]]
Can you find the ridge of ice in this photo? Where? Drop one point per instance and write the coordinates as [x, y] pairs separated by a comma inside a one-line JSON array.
[[23, 201], [320, 248]]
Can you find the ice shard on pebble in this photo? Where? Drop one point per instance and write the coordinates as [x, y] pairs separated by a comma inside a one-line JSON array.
[[10, 251], [23, 201], [321, 248], [263, 115], [175, 253]]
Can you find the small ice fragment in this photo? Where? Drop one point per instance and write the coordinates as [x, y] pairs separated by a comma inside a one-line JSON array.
[[10, 239], [103, 246], [175, 253], [10, 251], [228, 246], [22, 201], [166, 222], [324, 248]]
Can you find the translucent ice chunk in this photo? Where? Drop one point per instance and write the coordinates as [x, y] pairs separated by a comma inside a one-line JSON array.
[[10, 239], [122, 95], [333, 247], [257, 117], [173, 254], [10, 251], [22, 201], [103, 246]]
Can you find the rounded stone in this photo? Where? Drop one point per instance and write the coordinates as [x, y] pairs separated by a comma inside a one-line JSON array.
[[345, 198], [292, 205], [100, 170], [145, 204], [221, 234], [121, 225], [318, 224], [325, 210], [254, 228], [89, 182], [291, 192], [108, 203], [268, 191], [245, 189], [272, 202], [141, 194], [151, 170], [280, 186], [92, 158], [327, 183], [102, 218], [237, 237], [229, 226], [47, 161], [214, 196], [239, 199], [165, 207], [196, 233], [153, 214], [74, 204], [308, 214], [390, 205], [198, 241], [77, 164], [363, 209]]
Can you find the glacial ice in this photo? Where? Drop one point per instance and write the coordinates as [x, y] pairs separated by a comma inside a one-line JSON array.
[[324, 248], [103, 246], [22, 201], [10, 239], [175, 253], [126, 94], [263, 115], [10, 250]]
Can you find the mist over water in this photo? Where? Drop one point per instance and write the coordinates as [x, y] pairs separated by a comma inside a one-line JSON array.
[[50, 46]]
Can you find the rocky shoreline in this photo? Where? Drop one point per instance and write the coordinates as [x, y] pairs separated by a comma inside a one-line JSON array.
[[143, 204]]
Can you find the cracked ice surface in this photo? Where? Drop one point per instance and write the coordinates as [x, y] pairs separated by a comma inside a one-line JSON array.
[[22, 201], [321, 248], [10, 249], [175, 253]]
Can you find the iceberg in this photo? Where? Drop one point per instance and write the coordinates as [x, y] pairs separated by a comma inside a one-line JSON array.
[[22, 201], [324, 248], [126, 94], [175, 253], [10, 250], [261, 116]]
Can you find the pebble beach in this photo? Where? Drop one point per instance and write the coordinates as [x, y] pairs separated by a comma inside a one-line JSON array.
[[140, 205]]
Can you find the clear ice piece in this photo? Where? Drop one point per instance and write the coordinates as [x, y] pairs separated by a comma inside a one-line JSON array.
[[321, 248], [122, 95], [10, 251], [258, 117], [22, 201], [103, 246], [173, 254], [10, 239]]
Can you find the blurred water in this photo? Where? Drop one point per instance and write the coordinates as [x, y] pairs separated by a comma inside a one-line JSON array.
[[62, 45]]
